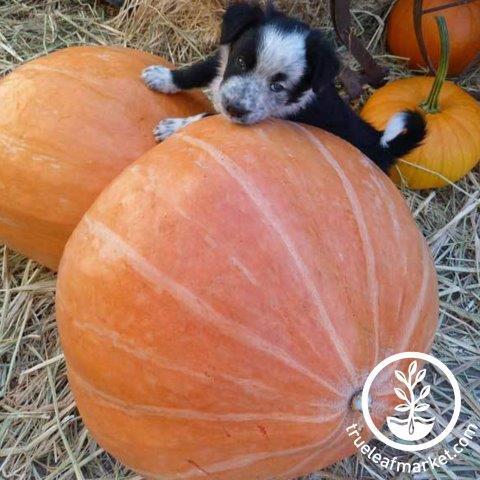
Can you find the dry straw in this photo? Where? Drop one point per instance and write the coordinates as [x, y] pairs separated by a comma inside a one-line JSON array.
[[41, 434]]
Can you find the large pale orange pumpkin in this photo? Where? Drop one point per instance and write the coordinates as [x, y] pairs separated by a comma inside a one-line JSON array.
[[463, 24], [225, 298], [69, 123]]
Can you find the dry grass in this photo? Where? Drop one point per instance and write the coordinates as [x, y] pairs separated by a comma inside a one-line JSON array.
[[41, 434]]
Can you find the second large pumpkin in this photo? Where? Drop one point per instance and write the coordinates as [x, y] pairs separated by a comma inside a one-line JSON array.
[[69, 123]]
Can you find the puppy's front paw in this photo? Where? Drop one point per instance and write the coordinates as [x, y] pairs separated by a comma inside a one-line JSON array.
[[160, 79], [167, 127]]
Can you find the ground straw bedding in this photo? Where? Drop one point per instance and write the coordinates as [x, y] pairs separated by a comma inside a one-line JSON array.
[[41, 434]]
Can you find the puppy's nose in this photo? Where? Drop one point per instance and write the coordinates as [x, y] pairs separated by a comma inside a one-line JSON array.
[[235, 110]]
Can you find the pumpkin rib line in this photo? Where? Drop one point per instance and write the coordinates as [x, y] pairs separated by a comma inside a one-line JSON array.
[[232, 257], [409, 326], [466, 120], [123, 344], [16, 147], [411, 323], [295, 471], [360, 220], [199, 307], [131, 409], [392, 214], [247, 460], [461, 124], [97, 87], [153, 189], [366, 162], [261, 204]]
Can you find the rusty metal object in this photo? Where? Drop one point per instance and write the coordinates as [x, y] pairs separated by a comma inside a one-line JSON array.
[[352, 82], [447, 5], [417, 22], [372, 73]]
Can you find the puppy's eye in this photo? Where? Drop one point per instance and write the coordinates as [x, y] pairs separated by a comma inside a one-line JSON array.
[[241, 63], [276, 87]]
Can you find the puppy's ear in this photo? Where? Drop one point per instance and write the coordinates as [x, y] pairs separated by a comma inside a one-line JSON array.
[[239, 17], [322, 61]]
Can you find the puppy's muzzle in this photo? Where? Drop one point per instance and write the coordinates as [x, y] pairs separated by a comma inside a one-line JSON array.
[[235, 110]]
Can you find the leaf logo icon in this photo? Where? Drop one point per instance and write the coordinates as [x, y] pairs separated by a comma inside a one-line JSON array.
[[425, 392], [412, 422], [414, 426]]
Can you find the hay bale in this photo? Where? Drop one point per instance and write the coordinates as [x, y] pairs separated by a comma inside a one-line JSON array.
[[185, 30]]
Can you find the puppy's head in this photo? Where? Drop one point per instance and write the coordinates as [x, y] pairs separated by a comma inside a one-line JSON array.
[[271, 65]]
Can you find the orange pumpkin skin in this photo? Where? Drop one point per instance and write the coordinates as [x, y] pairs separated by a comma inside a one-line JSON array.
[[452, 146], [463, 23], [226, 297], [69, 123]]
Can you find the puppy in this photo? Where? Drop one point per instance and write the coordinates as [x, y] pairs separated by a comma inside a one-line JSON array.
[[271, 65]]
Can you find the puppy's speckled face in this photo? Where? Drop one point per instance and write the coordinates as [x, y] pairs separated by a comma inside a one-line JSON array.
[[263, 74]]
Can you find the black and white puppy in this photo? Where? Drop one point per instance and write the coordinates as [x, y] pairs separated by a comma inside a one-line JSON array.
[[270, 65]]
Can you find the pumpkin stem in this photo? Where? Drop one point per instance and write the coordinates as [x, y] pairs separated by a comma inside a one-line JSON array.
[[431, 103], [356, 401]]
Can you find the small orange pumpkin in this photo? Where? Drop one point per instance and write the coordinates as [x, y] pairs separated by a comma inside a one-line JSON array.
[[69, 123], [452, 146], [225, 298], [463, 24]]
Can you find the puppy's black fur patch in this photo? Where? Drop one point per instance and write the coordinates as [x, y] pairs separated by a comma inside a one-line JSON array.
[[204, 72], [244, 48], [238, 18], [322, 61]]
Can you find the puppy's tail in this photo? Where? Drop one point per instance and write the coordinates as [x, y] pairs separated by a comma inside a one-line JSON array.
[[404, 132]]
